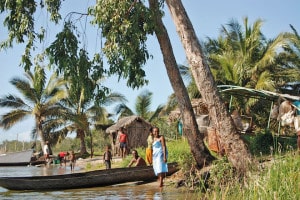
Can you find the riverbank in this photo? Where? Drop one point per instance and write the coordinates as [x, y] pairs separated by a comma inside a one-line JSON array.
[[84, 164]]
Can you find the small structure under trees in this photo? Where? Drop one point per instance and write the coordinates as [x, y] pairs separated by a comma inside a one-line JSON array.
[[137, 130]]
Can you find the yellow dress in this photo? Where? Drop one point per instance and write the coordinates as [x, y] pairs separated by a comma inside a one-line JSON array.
[[149, 150]]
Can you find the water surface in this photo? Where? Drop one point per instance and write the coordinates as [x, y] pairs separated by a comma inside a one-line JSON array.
[[134, 190]]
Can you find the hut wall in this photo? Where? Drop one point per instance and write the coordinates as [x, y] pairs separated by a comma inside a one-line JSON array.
[[137, 134]]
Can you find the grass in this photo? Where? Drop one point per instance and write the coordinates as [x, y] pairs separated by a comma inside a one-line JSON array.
[[277, 178]]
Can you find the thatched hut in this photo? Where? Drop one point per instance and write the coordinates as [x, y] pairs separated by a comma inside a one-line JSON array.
[[137, 130]]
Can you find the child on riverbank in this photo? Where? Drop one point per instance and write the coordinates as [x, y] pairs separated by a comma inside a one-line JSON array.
[[72, 161], [107, 157]]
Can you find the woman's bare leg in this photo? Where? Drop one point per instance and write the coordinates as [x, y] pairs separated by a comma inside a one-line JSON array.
[[160, 180]]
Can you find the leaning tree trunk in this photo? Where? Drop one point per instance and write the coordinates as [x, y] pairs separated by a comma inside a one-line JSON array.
[[190, 126], [235, 148]]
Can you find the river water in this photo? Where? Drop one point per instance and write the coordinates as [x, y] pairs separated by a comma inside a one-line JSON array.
[[126, 191]]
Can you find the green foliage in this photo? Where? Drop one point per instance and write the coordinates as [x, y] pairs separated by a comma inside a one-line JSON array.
[[262, 143], [53, 7], [143, 103], [68, 144], [179, 151], [76, 66], [100, 140], [125, 26], [19, 21], [169, 131], [280, 180], [20, 24], [222, 174], [39, 100]]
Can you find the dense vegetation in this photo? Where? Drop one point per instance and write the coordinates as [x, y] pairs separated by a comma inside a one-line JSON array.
[[74, 100]]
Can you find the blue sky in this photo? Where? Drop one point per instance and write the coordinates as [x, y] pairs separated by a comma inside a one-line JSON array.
[[207, 18]]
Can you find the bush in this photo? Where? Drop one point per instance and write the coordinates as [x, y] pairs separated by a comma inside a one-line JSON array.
[[262, 143]]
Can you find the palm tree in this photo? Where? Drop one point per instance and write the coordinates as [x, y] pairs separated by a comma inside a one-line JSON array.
[[39, 101], [242, 56], [290, 59], [295, 38], [83, 113], [142, 107]]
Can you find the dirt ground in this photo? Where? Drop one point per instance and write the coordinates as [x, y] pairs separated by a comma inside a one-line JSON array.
[[96, 161], [82, 163]]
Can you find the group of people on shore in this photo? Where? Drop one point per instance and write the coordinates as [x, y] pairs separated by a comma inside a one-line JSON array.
[[156, 153], [63, 157]]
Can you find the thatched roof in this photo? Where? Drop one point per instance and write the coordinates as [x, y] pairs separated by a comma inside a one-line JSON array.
[[124, 122]]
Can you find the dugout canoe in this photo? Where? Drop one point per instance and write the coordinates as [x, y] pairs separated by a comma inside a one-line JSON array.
[[89, 179]]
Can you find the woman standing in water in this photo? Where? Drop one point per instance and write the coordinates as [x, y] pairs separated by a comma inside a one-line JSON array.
[[160, 165]]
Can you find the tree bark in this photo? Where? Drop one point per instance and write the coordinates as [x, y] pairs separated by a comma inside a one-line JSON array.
[[234, 146], [190, 126], [81, 136], [39, 131]]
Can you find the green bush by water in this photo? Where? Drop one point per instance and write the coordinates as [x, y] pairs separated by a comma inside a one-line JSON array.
[[277, 179]]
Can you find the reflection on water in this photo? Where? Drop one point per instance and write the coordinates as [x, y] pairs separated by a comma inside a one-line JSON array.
[[35, 171], [116, 192], [119, 192]]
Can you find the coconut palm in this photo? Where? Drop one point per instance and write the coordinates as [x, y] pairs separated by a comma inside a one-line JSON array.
[[243, 56], [142, 107], [83, 113], [290, 59], [38, 100]]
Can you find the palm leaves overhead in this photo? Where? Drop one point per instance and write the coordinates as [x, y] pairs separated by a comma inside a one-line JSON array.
[[142, 107], [290, 58], [243, 56], [38, 100], [186, 73], [143, 103]]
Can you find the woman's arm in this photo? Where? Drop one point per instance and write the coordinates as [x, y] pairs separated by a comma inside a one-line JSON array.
[[131, 162]]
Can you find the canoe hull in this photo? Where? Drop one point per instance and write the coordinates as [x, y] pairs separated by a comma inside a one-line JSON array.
[[83, 180]]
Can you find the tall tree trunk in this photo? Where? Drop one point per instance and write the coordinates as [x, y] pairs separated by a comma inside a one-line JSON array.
[[81, 136], [190, 126], [39, 131], [235, 148]]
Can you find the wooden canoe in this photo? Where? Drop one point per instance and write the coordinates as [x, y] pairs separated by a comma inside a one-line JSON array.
[[84, 179]]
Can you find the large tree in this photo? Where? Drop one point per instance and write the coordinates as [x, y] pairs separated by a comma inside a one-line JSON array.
[[235, 148], [125, 26], [190, 126]]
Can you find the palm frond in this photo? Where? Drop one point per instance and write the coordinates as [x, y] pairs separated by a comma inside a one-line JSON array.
[[11, 118]]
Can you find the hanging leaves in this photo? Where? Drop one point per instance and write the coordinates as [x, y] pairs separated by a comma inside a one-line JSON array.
[[125, 26]]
